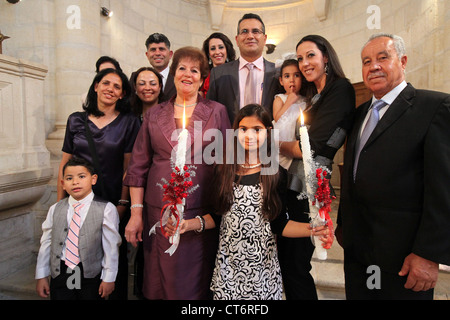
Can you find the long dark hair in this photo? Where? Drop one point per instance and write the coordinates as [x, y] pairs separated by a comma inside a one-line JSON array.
[[135, 102], [231, 53], [122, 105], [225, 174], [335, 70]]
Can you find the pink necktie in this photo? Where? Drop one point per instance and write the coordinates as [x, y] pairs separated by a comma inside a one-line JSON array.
[[72, 254], [250, 84]]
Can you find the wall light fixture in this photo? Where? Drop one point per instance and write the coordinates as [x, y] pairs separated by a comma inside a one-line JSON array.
[[106, 12]]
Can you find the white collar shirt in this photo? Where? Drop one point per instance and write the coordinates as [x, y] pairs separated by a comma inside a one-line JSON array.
[[110, 239], [389, 98]]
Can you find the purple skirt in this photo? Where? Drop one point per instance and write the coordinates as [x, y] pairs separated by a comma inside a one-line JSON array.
[[186, 275]]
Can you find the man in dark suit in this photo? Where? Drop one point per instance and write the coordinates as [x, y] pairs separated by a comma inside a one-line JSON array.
[[394, 210], [227, 81], [159, 54]]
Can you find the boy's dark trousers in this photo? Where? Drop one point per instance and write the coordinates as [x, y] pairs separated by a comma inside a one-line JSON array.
[[62, 287]]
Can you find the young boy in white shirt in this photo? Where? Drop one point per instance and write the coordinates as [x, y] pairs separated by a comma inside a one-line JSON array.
[[82, 259]]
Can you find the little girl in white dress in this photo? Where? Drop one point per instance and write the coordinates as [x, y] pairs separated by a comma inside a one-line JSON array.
[[287, 106]]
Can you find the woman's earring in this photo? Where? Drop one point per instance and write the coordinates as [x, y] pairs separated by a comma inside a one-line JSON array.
[[326, 68]]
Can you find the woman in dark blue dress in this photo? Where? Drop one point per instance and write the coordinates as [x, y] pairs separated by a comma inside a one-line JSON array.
[[113, 129]]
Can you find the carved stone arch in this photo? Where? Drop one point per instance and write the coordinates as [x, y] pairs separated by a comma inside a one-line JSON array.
[[216, 8], [321, 8]]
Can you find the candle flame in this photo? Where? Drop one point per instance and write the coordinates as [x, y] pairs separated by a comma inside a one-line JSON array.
[[184, 114], [302, 120]]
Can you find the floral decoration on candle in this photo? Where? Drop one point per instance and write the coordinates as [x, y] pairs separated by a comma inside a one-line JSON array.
[[176, 190], [317, 192]]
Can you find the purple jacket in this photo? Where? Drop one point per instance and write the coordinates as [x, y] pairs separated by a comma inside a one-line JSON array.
[[151, 156]]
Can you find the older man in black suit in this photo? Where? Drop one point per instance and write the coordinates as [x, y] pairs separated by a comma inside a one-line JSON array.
[[228, 81], [395, 199]]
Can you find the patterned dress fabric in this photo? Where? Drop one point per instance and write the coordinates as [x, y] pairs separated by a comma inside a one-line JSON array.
[[247, 266]]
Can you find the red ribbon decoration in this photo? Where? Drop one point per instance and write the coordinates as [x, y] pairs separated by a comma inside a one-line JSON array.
[[175, 213], [323, 197], [174, 192]]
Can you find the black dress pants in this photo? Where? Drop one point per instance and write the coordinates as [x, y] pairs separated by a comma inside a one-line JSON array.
[[65, 287], [358, 280]]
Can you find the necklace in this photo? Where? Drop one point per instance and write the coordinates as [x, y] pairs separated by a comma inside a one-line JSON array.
[[183, 106], [251, 166]]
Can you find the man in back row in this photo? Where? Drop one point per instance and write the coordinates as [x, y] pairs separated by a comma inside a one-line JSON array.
[[228, 82], [159, 54]]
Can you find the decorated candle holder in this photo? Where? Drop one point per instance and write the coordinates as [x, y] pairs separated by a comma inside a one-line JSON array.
[[175, 193], [176, 189], [317, 193]]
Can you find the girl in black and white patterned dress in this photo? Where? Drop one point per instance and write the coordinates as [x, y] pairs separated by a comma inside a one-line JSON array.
[[249, 209], [247, 265]]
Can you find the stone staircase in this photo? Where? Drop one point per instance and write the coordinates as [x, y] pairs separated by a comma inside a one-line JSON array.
[[328, 275]]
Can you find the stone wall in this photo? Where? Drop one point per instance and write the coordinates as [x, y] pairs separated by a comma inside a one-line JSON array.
[[40, 31], [24, 160]]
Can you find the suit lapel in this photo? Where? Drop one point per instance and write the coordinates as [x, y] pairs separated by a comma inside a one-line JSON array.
[[167, 125], [169, 85], [395, 111], [166, 122], [359, 119], [202, 113], [269, 75], [234, 68]]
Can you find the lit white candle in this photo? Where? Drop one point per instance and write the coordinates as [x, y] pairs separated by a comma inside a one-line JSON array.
[[307, 156], [180, 161], [310, 177], [182, 144]]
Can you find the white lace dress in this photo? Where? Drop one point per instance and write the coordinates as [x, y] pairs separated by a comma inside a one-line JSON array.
[[247, 266], [286, 125]]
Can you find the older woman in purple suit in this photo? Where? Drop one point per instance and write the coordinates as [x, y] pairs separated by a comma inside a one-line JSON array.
[[187, 273]]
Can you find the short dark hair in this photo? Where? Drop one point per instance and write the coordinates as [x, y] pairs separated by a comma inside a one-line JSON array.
[[157, 38], [252, 16], [193, 53], [104, 59], [75, 162]]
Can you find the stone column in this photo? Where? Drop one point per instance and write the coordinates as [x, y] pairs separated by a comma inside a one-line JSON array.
[[77, 48], [24, 160]]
